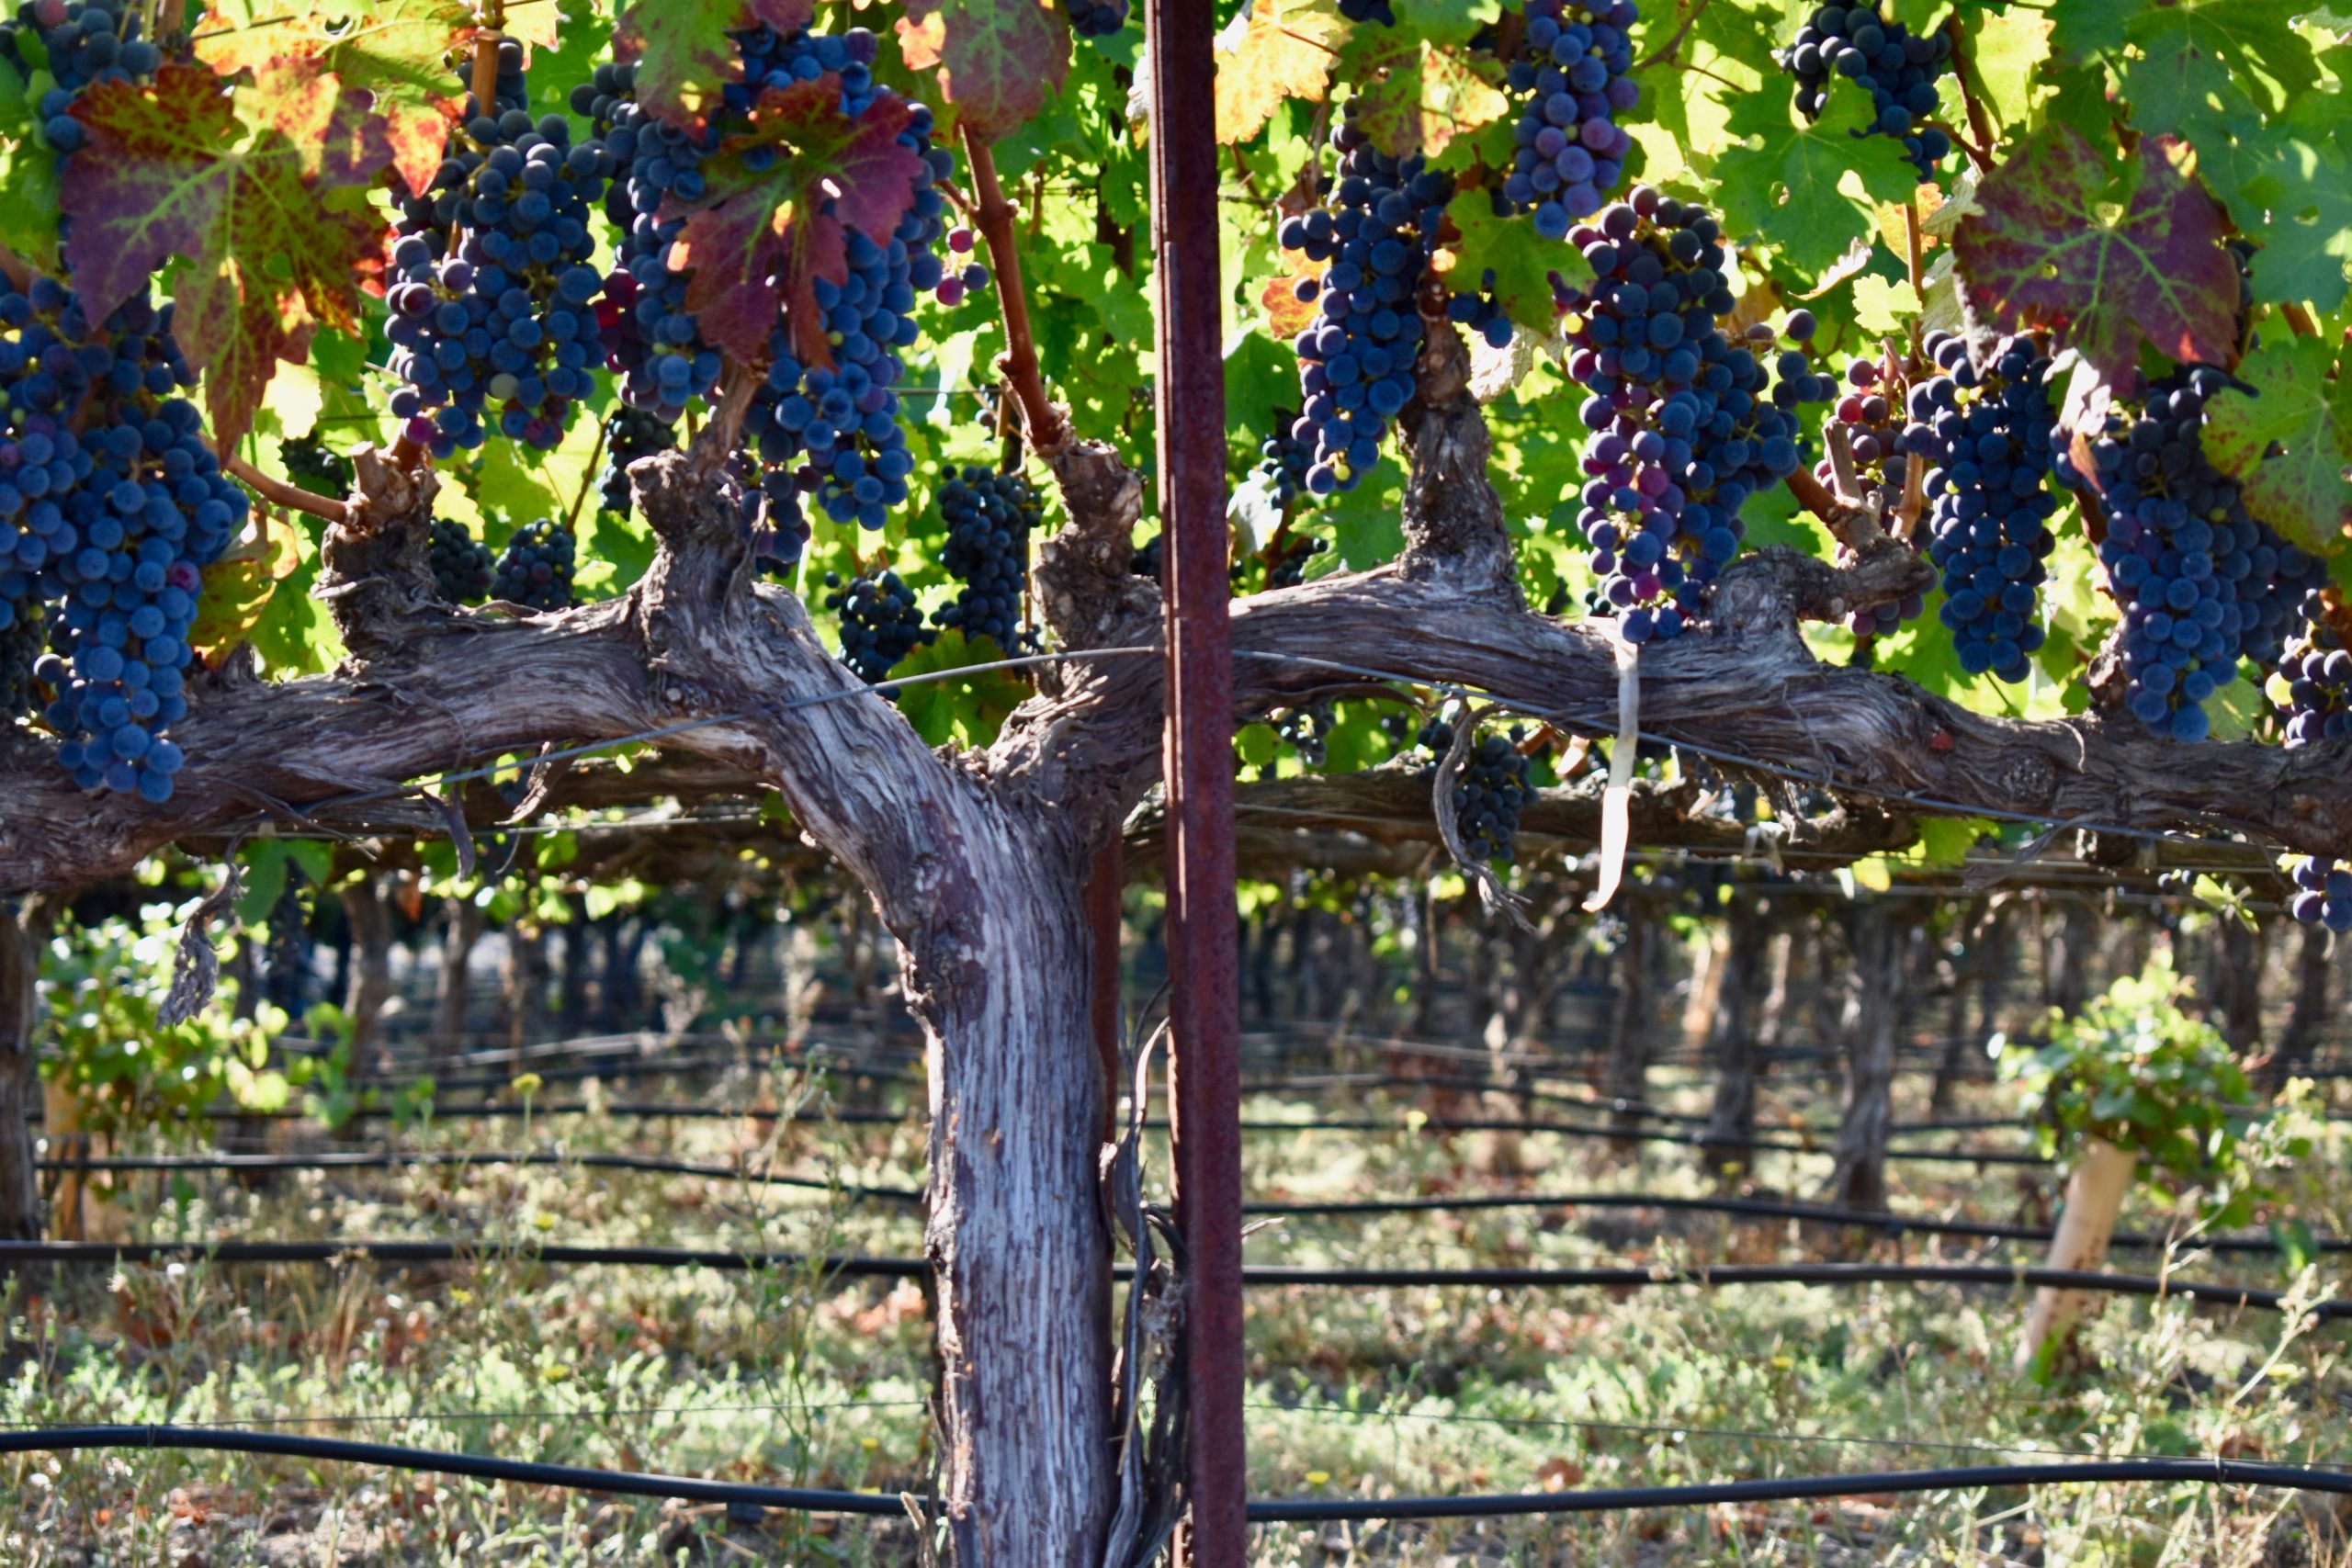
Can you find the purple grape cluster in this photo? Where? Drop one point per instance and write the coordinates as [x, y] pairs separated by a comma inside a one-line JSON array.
[[2201, 582], [1897, 67], [880, 623], [989, 518], [110, 506], [1989, 434], [2316, 669], [1374, 233], [1573, 71], [1096, 18], [491, 295], [1871, 414], [79, 43], [1686, 425]]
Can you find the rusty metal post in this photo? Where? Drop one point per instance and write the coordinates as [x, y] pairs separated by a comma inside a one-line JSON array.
[[1204, 1006]]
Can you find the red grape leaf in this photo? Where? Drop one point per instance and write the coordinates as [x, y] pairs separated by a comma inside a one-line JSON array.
[[397, 50], [275, 246], [761, 237], [998, 59], [682, 53], [2063, 239]]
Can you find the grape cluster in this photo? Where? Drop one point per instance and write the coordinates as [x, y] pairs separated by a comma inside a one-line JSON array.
[[1307, 731], [1356, 359], [1286, 563], [1490, 792], [1573, 70], [535, 570], [1871, 414], [1989, 433], [2201, 582], [110, 527], [1686, 425], [491, 295], [312, 464], [1900, 69], [1283, 461], [1368, 11], [2323, 892], [989, 517], [880, 624], [2316, 669], [23, 634], [1152, 560], [1096, 18], [79, 43], [463, 569], [629, 433]]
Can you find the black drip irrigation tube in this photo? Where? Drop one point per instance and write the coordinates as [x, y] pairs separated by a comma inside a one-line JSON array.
[[1280, 1510], [1889, 1223], [1264, 1276]]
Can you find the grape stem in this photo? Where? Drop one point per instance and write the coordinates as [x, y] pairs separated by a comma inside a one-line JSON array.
[[486, 68], [1815, 497], [1980, 125], [571, 518], [995, 217], [17, 271], [2298, 321], [1915, 247], [1976, 155], [292, 497], [1672, 46]]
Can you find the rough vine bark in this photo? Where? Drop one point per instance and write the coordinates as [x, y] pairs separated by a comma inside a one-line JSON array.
[[23, 929], [1735, 1038], [1876, 938]]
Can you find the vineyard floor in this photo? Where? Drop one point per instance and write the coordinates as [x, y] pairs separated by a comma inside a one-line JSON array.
[[796, 1380]]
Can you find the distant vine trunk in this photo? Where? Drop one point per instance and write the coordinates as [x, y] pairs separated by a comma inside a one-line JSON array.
[[1733, 1041], [24, 926], [2239, 951], [2308, 1016], [371, 963], [461, 927], [1626, 1076], [1876, 938]]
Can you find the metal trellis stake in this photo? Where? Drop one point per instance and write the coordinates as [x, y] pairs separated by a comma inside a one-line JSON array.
[[1205, 1008]]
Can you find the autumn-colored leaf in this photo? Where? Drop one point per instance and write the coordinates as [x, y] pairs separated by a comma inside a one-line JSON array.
[[278, 238], [998, 59], [397, 50], [760, 235], [1276, 50], [1286, 313], [2301, 490], [2109, 255], [684, 56], [1412, 97]]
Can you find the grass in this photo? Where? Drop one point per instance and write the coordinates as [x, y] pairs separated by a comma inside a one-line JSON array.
[[798, 1380]]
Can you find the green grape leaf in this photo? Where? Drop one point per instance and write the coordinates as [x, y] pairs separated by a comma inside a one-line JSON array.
[[970, 711], [790, 220], [2289, 184], [1413, 98], [239, 586], [2302, 492], [2006, 48], [998, 59], [2111, 256], [1786, 190], [277, 233], [2194, 54], [682, 53], [27, 173], [1444, 19], [1521, 260], [1274, 51], [397, 50]]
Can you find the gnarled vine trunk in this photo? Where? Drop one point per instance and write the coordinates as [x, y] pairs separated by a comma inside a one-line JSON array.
[[1876, 938], [22, 929], [1734, 1041]]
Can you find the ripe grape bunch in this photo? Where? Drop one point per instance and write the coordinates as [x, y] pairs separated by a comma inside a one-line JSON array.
[[463, 569], [989, 518], [490, 294], [109, 529], [316, 468], [2201, 582], [1307, 731], [23, 633], [1489, 791], [1356, 357], [880, 623], [1872, 415], [1286, 561], [1574, 69], [1898, 67], [535, 569], [1989, 432], [629, 433], [2316, 671], [1686, 425]]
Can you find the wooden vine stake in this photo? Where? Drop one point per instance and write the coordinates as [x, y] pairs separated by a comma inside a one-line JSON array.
[[2094, 1194]]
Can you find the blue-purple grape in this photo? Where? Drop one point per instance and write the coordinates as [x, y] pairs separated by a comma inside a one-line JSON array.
[[1898, 68], [1572, 77], [1988, 435]]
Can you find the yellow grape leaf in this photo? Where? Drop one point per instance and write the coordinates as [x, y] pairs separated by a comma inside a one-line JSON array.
[[237, 587], [2009, 46], [1881, 308], [1275, 50]]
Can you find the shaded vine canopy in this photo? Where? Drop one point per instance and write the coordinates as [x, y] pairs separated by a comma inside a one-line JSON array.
[[2051, 298]]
